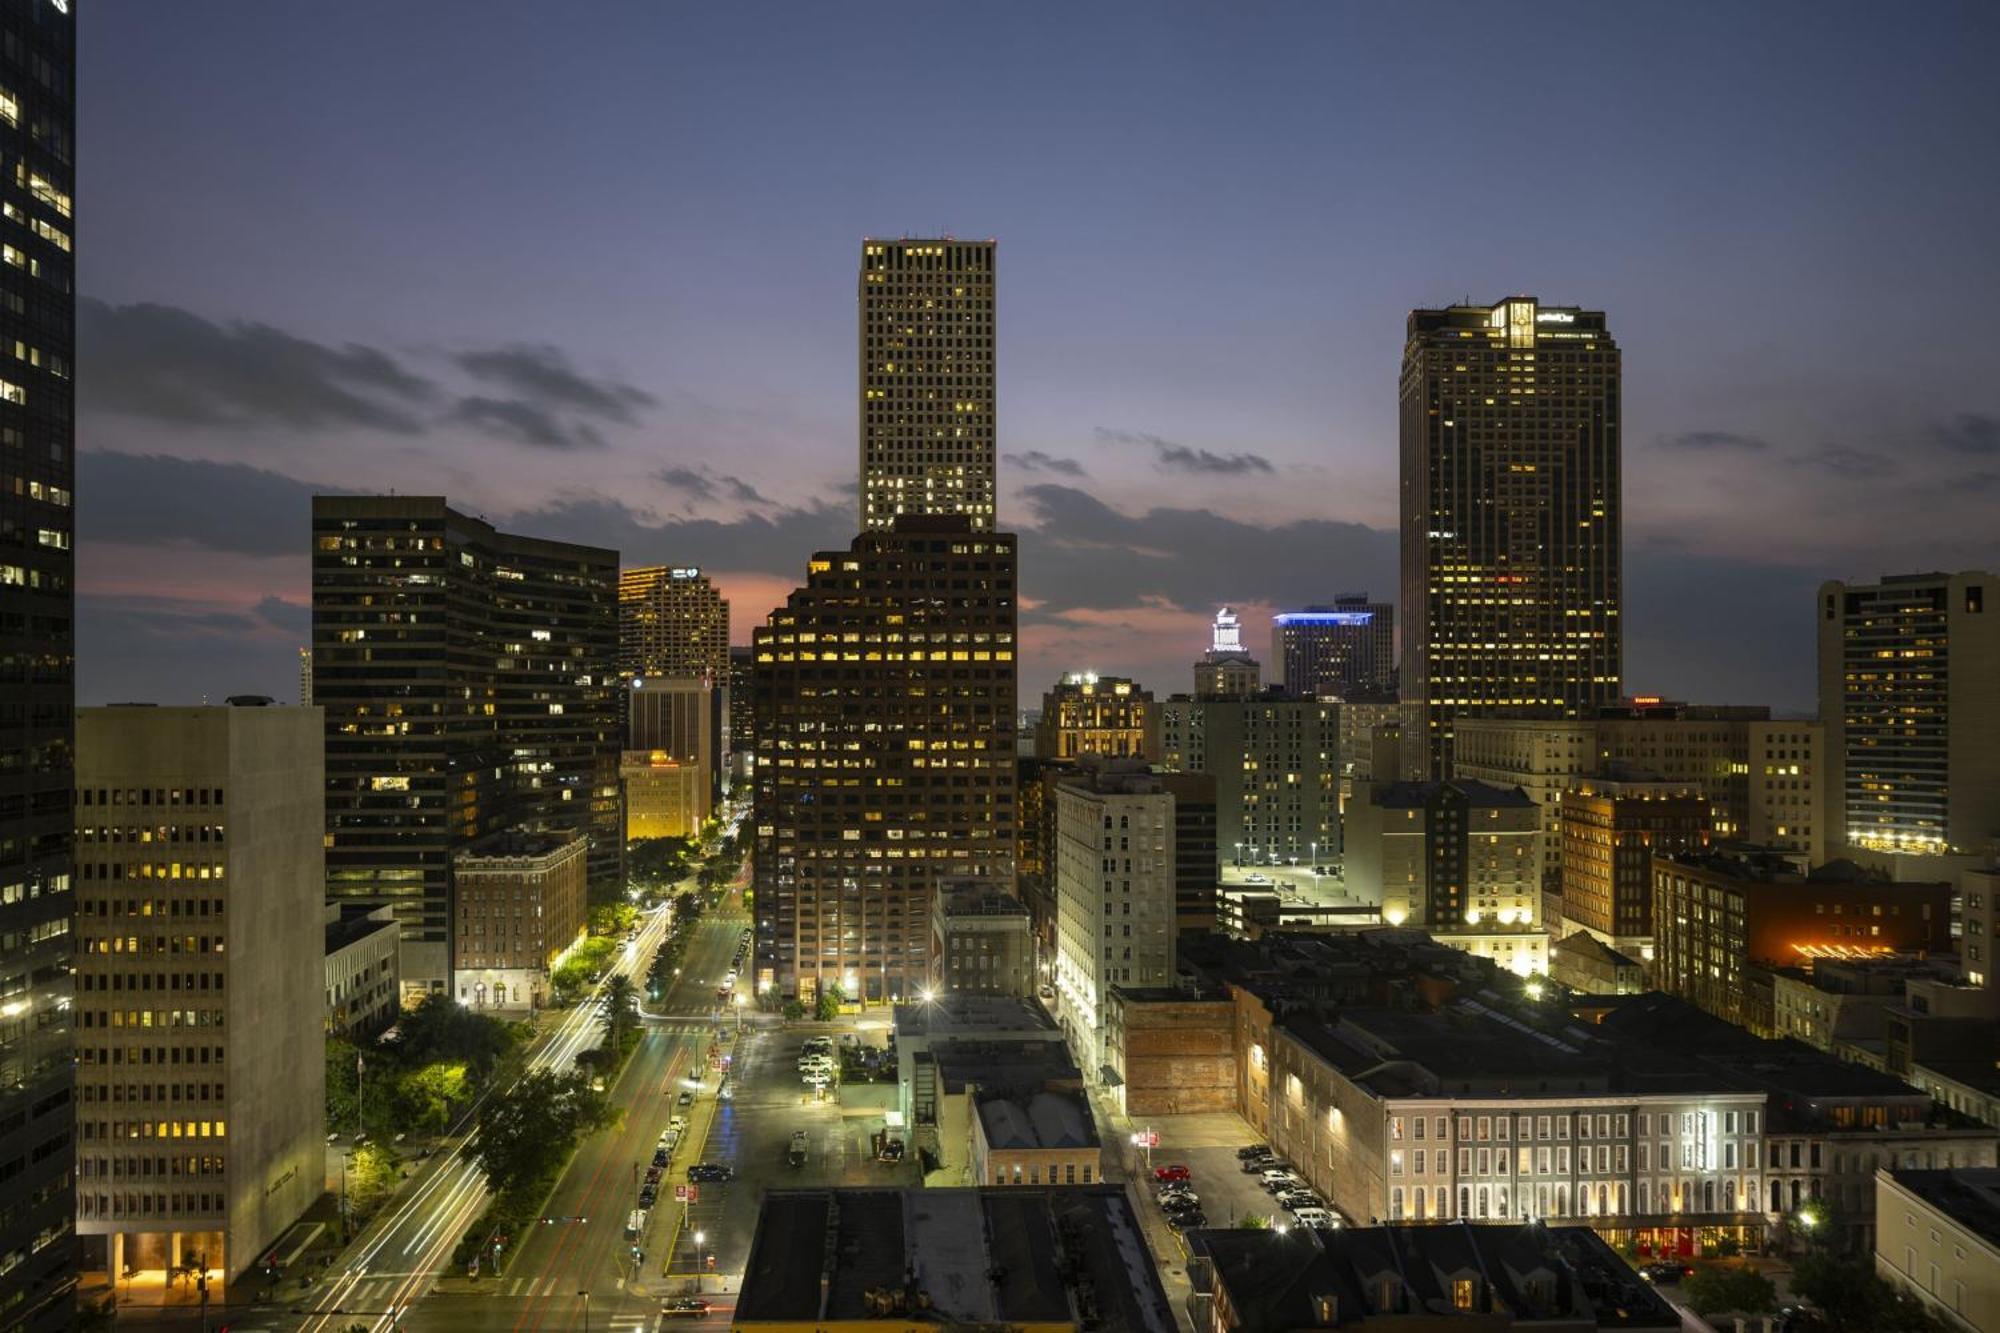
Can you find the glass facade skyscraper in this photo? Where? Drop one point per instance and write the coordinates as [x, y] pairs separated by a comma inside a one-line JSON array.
[[1511, 532], [37, 652]]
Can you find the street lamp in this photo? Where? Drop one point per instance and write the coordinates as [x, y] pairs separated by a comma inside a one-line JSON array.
[[700, 1238], [586, 1310]]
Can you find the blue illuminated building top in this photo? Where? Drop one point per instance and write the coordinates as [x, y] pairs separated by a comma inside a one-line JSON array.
[[1324, 618]]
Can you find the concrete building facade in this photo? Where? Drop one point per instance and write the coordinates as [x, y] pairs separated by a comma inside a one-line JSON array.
[[1276, 764], [364, 986], [672, 765], [1115, 899], [1460, 859], [1612, 828], [983, 942], [1939, 1241], [200, 1014]]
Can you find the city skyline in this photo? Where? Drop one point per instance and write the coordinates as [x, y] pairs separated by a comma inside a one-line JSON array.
[[1249, 416]]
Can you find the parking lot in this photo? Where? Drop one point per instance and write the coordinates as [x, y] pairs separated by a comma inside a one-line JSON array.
[[751, 1132]]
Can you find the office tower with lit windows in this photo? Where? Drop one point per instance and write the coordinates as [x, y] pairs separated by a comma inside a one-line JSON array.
[[1345, 650], [672, 764], [1613, 825], [927, 381], [1510, 519], [740, 712], [1103, 715], [1276, 763], [885, 753], [1909, 693], [469, 682], [671, 622], [200, 1001], [37, 654]]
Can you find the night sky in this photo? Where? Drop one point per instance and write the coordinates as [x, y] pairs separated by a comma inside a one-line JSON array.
[[588, 269]]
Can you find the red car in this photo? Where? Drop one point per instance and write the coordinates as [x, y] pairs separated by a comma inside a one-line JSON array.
[[1163, 1174]]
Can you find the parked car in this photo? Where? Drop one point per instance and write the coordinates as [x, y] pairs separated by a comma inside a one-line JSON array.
[[635, 1222], [1187, 1219], [1319, 1219], [685, 1099], [1256, 1166], [661, 1156], [648, 1196], [1254, 1150], [1300, 1198], [1178, 1171], [684, 1307], [1178, 1200], [653, 1174], [709, 1171], [1278, 1178], [1666, 1274]]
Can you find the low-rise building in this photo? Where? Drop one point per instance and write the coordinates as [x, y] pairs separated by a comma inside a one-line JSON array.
[[1491, 1277], [1719, 914], [1846, 1000], [996, 1021], [1170, 1050], [363, 984], [1585, 963], [1970, 1087], [1046, 1137], [982, 940], [664, 796], [522, 903], [1939, 1241], [864, 1260]]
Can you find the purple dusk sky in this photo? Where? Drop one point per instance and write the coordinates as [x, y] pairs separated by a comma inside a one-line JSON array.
[[589, 270]]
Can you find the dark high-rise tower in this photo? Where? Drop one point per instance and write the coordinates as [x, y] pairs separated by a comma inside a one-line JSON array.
[[1511, 532], [927, 383], [469, 682], [885, 752], [1347, 650], [37, 648]]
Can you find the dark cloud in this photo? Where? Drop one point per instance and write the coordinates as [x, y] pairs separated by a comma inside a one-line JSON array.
[[1036, 461], [1087, 554], [172, 651], [1170, 456], [1712, 440], [292, 617], [708, 486], [1969, 433], [541, 374], [525, 422], [1847, 463], [169, 364], [776, 541], [152, 498]]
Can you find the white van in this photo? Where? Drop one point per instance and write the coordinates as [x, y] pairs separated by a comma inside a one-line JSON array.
[[635, 1224]]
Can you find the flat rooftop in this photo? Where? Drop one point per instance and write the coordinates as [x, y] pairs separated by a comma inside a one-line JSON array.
[[958, 1015], [1069, 1255], [1042, 1120], [1968, 1195]]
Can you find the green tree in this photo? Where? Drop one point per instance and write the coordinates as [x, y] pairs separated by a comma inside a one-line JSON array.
[[372, 1176], [613, 918], [342, 1080], [440, 1028], [1255, 1222], [1735, 1288], [1850, 1298], [619, 1015], [826, 1007], [428, 1096], [526, 1132], [656, 863]]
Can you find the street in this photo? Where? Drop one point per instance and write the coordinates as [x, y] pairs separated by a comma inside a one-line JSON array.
[[395, 1274]]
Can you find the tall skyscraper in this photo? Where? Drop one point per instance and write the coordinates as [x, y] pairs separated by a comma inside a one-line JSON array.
[[1346, 650], [671, 622], [1510, 518], [200, 1000], [927, 383], [468, 678], [885, 752], [37, 651], [1909, 692]]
